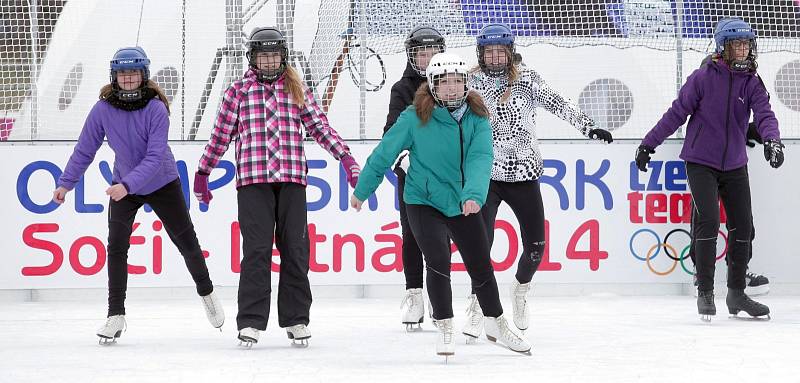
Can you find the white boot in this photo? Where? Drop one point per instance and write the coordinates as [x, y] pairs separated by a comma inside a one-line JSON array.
[[445, 344], [519, 303], [112, 329], [214, 311], [474, 326], [413, 309], [299, 334], [497, 330], [248, 336]]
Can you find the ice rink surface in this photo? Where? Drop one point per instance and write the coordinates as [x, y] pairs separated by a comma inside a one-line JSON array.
[[575, 339]]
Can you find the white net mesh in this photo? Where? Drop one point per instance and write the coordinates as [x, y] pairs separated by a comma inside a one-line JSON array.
[[620, 60]]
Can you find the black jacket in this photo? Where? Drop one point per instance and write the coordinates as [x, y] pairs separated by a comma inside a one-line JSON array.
[[402, 95]]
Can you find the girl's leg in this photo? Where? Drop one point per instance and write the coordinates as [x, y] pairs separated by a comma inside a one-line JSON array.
[[291, 230], [703, 182], [120, 223], [170, 206], [430, 231]]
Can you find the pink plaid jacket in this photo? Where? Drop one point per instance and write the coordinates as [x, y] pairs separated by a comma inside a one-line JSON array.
[[269, 130]]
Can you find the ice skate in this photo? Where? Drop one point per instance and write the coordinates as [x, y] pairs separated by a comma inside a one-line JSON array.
[[474, 326], [445, 344], [111, 330], [498, 331], [413, 310], [248, 337], [757, 284], [738, 301], [705, 305], [214, 311], [299, 334], [519, 304]]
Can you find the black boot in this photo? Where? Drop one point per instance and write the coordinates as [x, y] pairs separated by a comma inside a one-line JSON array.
[[705, 304], [737, 301]]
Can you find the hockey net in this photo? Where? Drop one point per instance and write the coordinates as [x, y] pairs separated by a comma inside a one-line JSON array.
[[621, 60]]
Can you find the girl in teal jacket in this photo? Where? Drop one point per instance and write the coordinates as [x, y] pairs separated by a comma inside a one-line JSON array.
[[449, 139]]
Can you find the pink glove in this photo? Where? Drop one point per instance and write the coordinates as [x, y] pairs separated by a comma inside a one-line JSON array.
[[201, 188], [351, 168]]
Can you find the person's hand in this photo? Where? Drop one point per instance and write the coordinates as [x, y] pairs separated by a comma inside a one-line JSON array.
[[601, 134], [351, 168], [59, 194], [117, 192], [470, 207], [643, 153], [201, 188], [355, 203], [773, 152]]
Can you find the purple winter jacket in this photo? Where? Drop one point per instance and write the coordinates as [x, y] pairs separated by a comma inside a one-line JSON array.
[[143, 161], [719, 101]]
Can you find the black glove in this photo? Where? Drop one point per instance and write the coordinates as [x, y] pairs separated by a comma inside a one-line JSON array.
[[752, 136], [773, 152], [601, 134], [643, 156]]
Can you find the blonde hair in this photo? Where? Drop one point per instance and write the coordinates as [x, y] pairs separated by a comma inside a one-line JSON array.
[[295, 86], [108, 90]]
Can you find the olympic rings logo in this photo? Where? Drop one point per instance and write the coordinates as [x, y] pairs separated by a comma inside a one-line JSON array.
[[669, 250]]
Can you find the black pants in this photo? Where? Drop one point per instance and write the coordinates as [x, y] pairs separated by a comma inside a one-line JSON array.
[[412, 255], [433, 231], [525, 200], [267, 211], [708, 185], [170, 207], [730, 233]]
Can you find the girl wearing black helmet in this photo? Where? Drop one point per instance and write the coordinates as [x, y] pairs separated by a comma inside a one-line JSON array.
[[421, 44], [513, 93], [133, 114], [268, 112]]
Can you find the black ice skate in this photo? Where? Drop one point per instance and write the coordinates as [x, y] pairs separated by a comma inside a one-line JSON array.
[[738, 301], [705, 305]]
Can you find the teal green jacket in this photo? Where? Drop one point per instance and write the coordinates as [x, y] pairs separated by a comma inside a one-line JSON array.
[[450, 163]]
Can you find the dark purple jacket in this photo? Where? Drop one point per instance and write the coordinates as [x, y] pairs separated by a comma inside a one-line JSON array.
[[143, 161], [719, 101]]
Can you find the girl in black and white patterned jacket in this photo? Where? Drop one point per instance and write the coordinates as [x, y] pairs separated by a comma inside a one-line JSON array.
[[512, 94]]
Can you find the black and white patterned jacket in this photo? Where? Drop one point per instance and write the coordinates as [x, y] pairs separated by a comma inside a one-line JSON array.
[[516, 149]]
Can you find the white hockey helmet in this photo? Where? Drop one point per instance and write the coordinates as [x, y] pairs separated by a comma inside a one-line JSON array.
[[442, 64]]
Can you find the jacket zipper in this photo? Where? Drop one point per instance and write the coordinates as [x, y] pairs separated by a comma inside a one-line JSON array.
[[727, 119]]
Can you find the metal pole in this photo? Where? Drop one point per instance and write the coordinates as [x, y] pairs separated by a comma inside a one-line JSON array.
[[34, 70], [233, 41], [362, 71], [183, 70], [679, 52]]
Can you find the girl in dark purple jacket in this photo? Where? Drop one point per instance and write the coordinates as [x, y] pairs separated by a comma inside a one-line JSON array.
[[720, 97], [133, 114]]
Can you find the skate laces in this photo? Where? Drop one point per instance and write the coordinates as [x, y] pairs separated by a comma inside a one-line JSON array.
[[211, 308], [506, 332], [114, 322], [521, 295], [473, 309], [408, 300], [446, 329]]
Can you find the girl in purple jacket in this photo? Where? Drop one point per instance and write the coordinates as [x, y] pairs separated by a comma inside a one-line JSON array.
[[133, 114], [720, 97]]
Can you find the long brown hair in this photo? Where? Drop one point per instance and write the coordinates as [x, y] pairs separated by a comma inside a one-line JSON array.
[[513, 73], [424, 103], [294, 85], [107, 90]]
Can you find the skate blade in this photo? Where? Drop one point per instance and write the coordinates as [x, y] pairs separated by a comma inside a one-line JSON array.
[[107, 341], [413, 327], [762, 318], [470, 339], [300, 343], [246, 342], [706, 318], [494, 341]]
